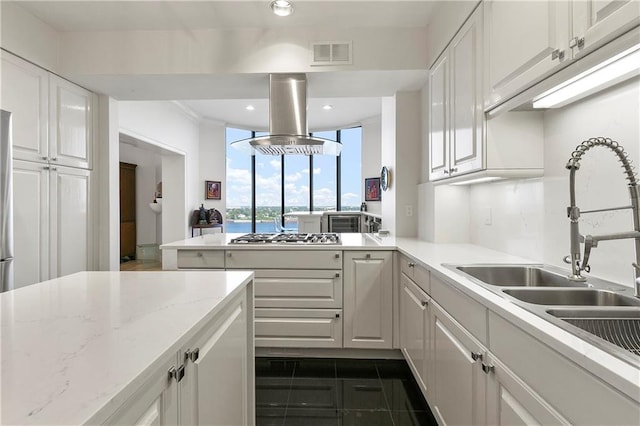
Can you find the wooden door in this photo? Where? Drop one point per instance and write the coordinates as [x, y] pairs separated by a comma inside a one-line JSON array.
[[127, 210]]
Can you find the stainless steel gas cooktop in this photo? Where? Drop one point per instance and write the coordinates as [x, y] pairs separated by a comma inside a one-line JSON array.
[[284, 238]]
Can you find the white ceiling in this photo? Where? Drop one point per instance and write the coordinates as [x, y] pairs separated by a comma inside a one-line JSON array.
[[354, 95], [123, 15]]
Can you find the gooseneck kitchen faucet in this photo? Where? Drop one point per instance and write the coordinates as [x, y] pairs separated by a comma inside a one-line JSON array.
[[573, 212]]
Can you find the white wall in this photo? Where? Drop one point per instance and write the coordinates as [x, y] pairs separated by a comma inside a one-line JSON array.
[[168, 126], [388, 156], [529, 216], [148, 166], [212, 161], [371, 152]]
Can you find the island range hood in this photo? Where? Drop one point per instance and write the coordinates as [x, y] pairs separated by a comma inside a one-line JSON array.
[[288, 131]]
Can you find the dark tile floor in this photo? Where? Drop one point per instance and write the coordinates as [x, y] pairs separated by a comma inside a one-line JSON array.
[[340, 392]]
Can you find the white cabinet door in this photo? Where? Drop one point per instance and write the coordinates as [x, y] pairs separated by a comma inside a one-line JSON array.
[[70, 134], [466, 100], [414, 327], [439, 118], [600, 21], [520, 38], [459, 383], [25, 94], [368, 292], [217, 388], [156, 403], [31, 222], [511, 402], [71, 221]]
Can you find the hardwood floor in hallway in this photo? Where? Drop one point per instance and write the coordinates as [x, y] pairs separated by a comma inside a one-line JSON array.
[[141, 265]]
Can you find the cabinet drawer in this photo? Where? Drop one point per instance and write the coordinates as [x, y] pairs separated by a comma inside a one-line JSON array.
[[275, 288], [469, 313], [416, 273], [200, 259], [576, 394], [284, 259], [299, 328]]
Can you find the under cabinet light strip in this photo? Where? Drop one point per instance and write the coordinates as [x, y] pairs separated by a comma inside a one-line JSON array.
[[614, 70]]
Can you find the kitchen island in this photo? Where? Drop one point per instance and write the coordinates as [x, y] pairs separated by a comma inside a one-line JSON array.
[[477, 356], [124, 347]]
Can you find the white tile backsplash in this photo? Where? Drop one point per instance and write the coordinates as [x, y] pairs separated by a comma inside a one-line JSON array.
[[529, 216]]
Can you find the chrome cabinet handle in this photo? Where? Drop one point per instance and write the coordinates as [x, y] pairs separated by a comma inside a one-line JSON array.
[[337, 274], [488, 368], [199, 254], [171, 373], [229, 254], [453, 169], [577, 42], [476, 356], [45, 158], [446, 172], [367, 256], [557, 54], [54, 158], [424, 302], [192, 355], [411, 265], [337, 315], [337, 255]]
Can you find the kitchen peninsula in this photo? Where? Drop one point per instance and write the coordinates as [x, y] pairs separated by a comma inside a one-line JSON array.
[[477, 355], [125, 347]]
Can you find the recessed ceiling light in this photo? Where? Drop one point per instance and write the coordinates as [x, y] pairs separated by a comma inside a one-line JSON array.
[[327, 107], [282, 7], [250, 108]]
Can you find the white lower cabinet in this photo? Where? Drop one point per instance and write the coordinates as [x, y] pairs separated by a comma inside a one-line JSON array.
[[414, 330], [209, 381], [219, 372], [459, 381], [368, 295], [52, 221], [299, 328], [511, 402]]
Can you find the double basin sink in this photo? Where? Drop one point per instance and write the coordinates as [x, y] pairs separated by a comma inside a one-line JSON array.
[[592, 308]]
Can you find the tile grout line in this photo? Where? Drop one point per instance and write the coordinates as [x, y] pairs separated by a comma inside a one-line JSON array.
[[384, 392]]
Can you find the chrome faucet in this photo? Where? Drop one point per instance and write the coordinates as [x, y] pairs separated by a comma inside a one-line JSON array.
[[579, 264]]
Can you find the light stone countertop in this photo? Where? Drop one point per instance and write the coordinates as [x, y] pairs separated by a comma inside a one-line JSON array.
[[74, 348], [620, 374]]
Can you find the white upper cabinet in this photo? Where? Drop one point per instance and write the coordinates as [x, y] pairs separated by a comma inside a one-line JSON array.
[[455, 104], [438, 119], [70, 123], [25, 94], [52, 118], [596, 22], [467, 112], [527, 41], [524, 42]]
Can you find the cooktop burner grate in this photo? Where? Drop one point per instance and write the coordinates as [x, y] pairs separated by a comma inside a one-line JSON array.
[[285, 238]]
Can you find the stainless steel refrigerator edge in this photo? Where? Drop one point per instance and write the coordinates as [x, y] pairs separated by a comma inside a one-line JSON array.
[[6, 203]]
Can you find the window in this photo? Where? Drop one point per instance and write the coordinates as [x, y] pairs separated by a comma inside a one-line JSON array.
[[239, 185], [261, 188]]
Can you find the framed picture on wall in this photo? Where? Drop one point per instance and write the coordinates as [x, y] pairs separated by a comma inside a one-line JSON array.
[[212, 190], [372, 189]]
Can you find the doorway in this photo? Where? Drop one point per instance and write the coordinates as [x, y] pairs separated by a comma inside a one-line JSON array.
[[127, 212]]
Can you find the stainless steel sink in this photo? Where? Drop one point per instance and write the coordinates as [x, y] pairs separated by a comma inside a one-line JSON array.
[[619, 327], [518, 276], [572, 296]]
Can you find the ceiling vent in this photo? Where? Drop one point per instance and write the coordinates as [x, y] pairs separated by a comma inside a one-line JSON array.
[[331, 53]]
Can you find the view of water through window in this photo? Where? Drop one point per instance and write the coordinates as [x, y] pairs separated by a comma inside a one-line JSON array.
[[291, 186]]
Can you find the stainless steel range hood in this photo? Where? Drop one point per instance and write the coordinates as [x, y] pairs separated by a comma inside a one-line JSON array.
[[288, 131]]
